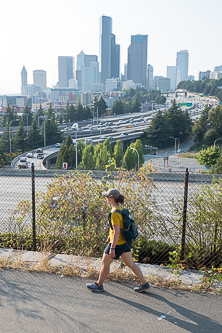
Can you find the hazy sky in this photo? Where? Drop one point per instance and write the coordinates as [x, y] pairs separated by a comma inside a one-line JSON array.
[[34, 33]]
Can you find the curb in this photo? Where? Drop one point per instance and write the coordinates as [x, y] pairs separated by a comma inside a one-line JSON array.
[[188, 278]]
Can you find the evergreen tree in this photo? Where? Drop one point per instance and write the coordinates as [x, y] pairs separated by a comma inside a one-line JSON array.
[[200, 127], [53, 134], [100, 104], [136, 105], [63, 156], [107, 144], [34, 139], [72, 157], [130, 159], [118, 107], [87, 158], [80, 147], [179, 122], [138, 146], [20, 139], [159, 131], [96, 154], [103, 158], [118, 153]]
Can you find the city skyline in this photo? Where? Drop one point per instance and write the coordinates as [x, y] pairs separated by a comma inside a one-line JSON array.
[[67, 28]]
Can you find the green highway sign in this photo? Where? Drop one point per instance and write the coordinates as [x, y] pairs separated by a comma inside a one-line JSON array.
[[185, 104]]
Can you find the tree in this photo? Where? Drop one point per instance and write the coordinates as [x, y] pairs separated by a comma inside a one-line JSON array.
[[107, 144], [87, 158], [34, 139], [8, 116], [179, 121], [136, 105], [215, 119], [200, 127], [101, 105], [130, 159], [118, 153], [97, 150], [138, 146], [209, 156], [20, 139], [159, 131], [118, 107], [53, 134]]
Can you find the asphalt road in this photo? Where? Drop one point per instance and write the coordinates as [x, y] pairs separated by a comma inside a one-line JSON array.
[[37, 302]]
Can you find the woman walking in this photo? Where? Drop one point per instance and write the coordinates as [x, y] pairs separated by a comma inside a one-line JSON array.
[[117, 246]]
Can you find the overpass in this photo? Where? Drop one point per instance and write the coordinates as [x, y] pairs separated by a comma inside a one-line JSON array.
[[50, 152]]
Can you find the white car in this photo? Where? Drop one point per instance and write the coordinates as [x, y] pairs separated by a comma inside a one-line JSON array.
[[179, 151]]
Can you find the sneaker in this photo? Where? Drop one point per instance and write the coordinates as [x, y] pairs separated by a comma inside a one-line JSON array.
[[142, 288], [94, 287]]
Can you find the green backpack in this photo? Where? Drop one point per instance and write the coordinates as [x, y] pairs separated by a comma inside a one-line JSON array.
[[129, 231]]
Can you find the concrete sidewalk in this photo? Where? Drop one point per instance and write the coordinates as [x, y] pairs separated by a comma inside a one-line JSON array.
[[188, 278]]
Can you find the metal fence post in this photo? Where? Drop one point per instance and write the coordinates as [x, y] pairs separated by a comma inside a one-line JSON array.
[[184, 215], [33, 209]]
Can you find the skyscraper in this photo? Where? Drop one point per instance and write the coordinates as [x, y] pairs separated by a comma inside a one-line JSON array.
[[65, 70], [149, 85], [109, 50], [24, 76], [172, 75], [182, 66], [39, 79], [137, 59], [87, 72]]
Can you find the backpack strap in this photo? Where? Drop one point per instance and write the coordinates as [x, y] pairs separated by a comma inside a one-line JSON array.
[[109, 216]]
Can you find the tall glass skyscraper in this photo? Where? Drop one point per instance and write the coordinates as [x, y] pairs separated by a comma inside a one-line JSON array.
[[65, 70], [137, 59], [182, 65], [109, 50]]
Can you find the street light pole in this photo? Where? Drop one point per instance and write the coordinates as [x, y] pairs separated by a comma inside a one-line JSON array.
[[216, 141], [175, 143], [76, 152], [137, 156], [44, 135], [10, 138]]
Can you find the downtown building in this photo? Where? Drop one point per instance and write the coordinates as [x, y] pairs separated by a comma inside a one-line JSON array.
[[87, 73], [109, 51], [137, 59], [65, 70], [172, 75], [39, 79], [182, 65]]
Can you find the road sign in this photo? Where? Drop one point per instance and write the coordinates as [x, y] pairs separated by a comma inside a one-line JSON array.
[[65, 166], [10, 154], [185, 104]]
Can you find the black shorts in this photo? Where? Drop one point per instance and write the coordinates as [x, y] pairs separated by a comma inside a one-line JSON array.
[[119, 250]]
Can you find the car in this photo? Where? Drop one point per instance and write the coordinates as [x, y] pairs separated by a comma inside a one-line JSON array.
[[40, 156], [23, 160], [22, 165], [58, 145], [29, 155], [88, 140], [122, 134], [39, 150], [65, 129], [179, 151]]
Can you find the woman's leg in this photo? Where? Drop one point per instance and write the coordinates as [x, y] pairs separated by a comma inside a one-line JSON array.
[[104, 272], [127, 259]]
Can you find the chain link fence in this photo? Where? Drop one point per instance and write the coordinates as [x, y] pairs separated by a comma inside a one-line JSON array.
[[178, 215]]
